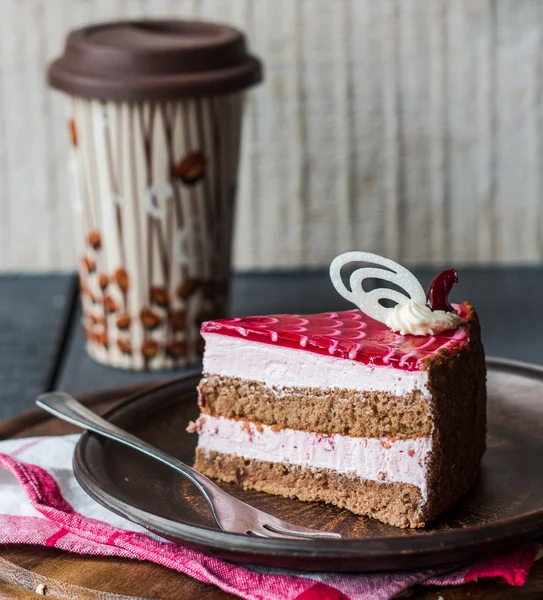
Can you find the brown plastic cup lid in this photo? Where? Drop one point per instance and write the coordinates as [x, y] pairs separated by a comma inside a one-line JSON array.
[[154, 60]]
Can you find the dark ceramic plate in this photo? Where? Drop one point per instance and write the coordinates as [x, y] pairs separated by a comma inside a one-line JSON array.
[[505, 507]]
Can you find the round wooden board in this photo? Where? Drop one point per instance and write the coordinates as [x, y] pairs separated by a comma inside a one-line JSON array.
[[69, 576]]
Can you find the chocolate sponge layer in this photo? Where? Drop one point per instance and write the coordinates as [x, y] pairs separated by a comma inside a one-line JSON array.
[[343, 411], [397, 504]]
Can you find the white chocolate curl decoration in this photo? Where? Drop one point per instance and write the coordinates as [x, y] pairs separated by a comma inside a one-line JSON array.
[[410, 315]]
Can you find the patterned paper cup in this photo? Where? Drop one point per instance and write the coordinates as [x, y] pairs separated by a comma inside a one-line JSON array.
[[154, 189]]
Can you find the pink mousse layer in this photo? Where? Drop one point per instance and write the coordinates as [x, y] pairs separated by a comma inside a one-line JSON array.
[[349, 334]]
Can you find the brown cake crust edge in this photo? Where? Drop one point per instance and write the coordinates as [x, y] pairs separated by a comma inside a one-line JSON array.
[[458, 380], [397, 504]]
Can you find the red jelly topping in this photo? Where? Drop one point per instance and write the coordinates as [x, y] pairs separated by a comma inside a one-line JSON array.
[[437, 297], [349, 334]]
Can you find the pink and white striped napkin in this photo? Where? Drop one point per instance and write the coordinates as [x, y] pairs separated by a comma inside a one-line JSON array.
[[41, 503]]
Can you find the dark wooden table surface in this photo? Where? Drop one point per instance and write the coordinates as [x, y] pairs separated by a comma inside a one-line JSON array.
[[41, 348], [41, 341]]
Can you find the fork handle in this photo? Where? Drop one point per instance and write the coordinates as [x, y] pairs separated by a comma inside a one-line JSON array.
[[68, 409]]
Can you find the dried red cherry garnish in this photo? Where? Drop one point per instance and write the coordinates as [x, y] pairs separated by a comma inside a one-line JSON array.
[[437, 297]]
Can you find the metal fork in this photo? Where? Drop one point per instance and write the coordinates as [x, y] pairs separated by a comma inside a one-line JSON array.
[[231, 514]]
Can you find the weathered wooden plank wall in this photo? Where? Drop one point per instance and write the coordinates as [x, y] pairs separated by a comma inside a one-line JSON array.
[[412, 128]]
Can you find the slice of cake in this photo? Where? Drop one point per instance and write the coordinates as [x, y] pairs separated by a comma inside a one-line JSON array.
[[379, 410]]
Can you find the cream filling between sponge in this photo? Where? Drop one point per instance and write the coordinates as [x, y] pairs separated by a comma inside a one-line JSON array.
[[288, 367], [380, 460]]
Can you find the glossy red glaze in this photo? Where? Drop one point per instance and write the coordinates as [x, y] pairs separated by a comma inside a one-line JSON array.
[[349, 335], [437, 297]]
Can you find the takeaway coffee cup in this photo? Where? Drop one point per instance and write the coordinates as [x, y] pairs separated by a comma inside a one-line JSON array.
[[155, 112]]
